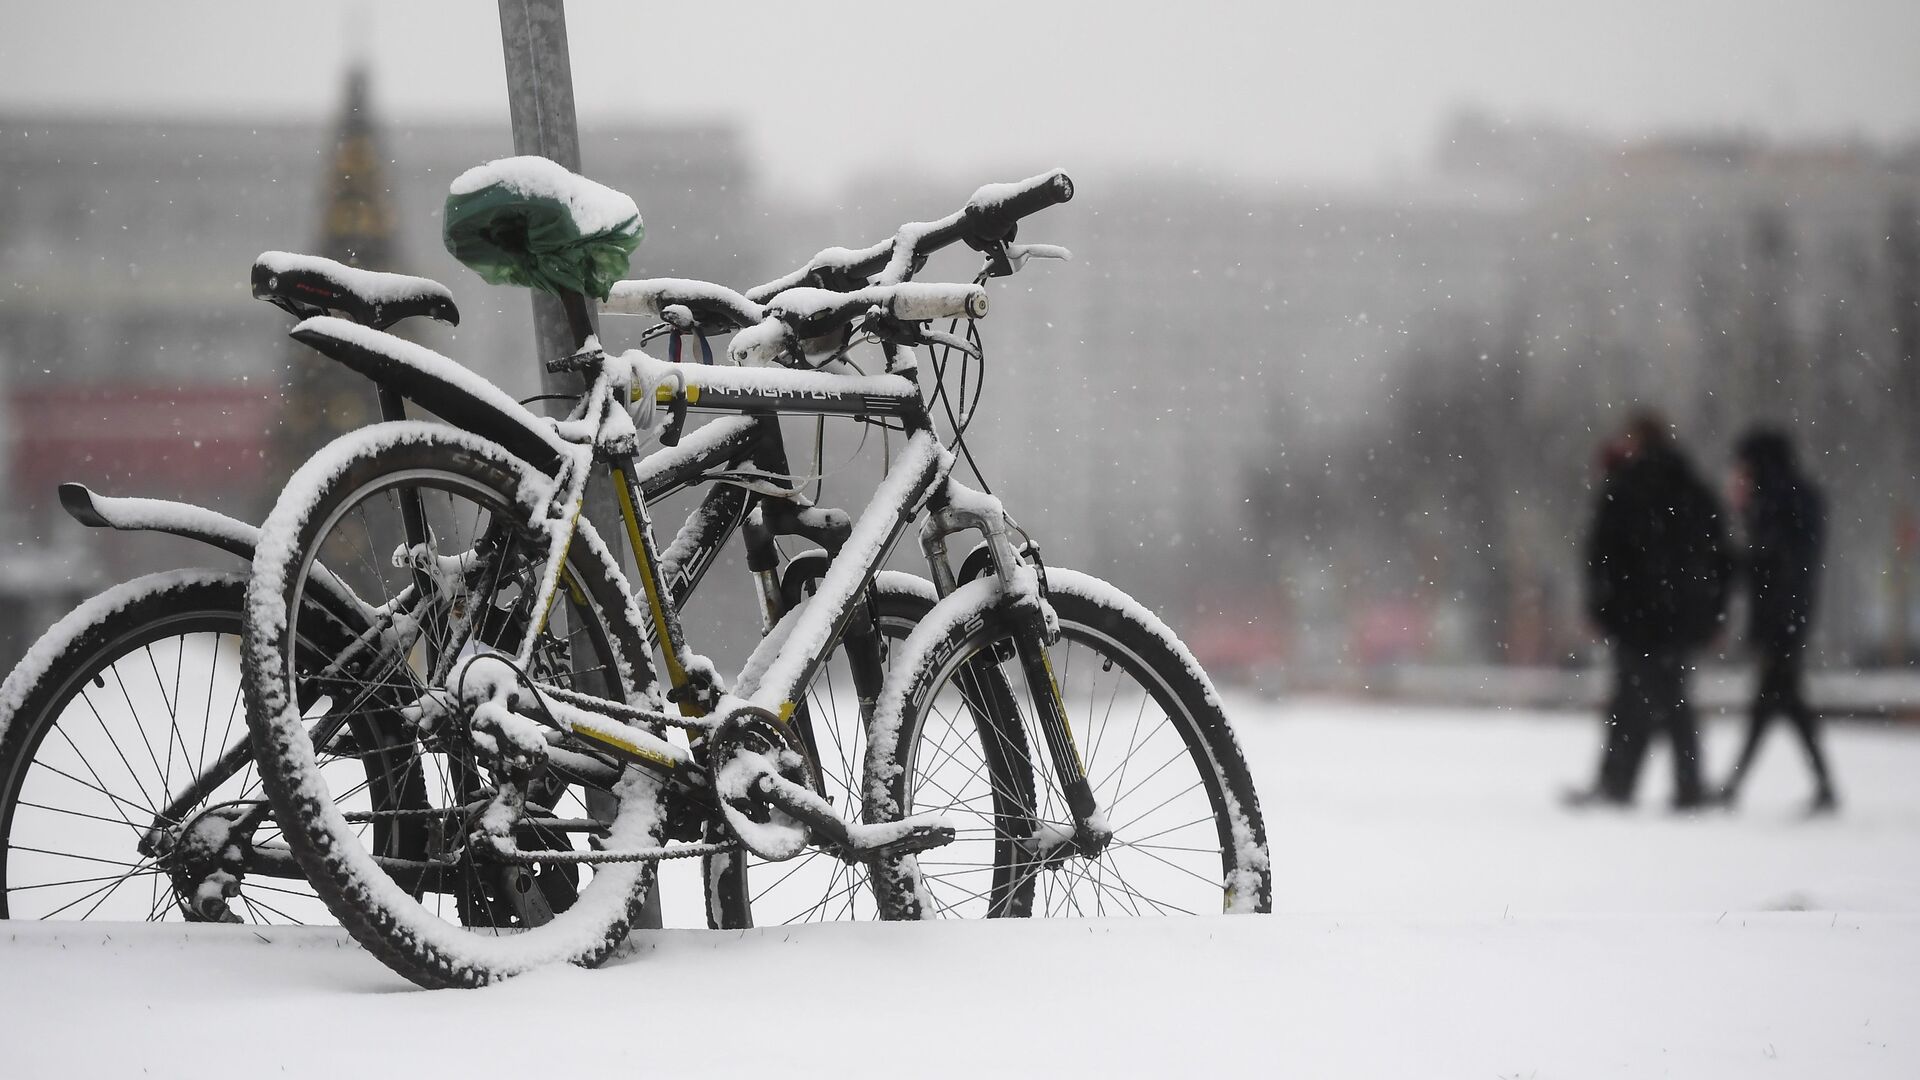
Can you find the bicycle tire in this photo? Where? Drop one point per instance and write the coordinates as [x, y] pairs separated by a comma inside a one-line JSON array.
[[111, 671], [386, 918], [815, 886], [970, 632]]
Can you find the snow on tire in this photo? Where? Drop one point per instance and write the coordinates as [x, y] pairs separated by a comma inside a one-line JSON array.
[[1158, 750], [492, 495]]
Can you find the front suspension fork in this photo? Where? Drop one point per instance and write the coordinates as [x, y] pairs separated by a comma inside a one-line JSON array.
[[1033, 631]]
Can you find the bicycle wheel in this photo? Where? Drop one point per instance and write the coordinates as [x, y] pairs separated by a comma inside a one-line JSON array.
[[127, 788], [815, 886], [458, 917], [1165, 769]]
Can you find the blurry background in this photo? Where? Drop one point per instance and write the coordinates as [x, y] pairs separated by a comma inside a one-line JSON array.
[[1358, 289]]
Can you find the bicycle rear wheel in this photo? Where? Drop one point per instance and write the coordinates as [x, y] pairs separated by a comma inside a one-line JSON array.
[[487, 538], [1187, 835], [127, 787]]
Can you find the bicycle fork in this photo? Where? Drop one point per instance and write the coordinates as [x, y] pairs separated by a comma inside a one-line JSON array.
[[1034, 630]]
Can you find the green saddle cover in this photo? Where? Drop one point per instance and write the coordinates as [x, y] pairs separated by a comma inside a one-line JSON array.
[[528, 221]]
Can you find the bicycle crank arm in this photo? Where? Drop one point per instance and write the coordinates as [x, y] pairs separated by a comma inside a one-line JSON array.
[[853, 841]]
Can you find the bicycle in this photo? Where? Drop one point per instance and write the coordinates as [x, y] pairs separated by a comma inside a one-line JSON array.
[[462, 612]]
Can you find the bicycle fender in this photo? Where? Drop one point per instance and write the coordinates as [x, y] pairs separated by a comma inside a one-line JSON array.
[[209, 527], [438, 384]]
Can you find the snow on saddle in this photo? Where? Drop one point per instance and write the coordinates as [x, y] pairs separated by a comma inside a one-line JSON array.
[[308, 285]]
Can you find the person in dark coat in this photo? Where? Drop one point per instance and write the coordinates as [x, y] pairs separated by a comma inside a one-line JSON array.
[[1784, 516], [1658, 569]]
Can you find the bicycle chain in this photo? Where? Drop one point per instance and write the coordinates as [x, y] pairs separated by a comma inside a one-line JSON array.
[[525, 857], [521, 857], [362, 817]]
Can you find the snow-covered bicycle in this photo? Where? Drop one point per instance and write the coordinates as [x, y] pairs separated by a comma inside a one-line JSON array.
[[126, 782], [1039, 735]]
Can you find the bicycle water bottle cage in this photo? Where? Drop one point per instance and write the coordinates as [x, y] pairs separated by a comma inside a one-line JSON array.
[[527, 221], [307, 285]]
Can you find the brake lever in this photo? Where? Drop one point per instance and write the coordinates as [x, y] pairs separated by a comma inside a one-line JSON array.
[[1018, 254], [999, 261], [930, 336], [911, 334]]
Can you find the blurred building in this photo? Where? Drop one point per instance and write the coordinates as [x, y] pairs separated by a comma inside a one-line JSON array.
[[134, 359], [1355, 428]]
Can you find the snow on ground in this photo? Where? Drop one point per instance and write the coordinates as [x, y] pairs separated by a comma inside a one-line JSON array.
[[1441, 916]]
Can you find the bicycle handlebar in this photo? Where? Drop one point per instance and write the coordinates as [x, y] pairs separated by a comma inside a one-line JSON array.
[[811, 312], [995, 209], [712, 305], [802, 314], [988, 218], [832, 289]]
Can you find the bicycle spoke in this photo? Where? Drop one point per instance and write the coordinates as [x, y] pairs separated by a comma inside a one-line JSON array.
[[81, 814], [107, 730], [109, 888], [115, 800]]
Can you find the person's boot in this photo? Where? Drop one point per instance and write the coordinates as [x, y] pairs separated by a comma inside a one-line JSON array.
[[1584, 797], [1689, 794]]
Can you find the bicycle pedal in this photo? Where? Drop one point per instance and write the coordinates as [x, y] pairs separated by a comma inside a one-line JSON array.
[[865, 843], [916, 839]]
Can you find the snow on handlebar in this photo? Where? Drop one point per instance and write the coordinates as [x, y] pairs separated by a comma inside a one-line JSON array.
[[650, 297], [1001, 205], [812, 311], [803, 313], [795, 308]]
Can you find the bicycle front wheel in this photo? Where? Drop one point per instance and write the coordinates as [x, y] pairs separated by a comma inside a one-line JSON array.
[[832, 721], [460, 578], [1166, 773]]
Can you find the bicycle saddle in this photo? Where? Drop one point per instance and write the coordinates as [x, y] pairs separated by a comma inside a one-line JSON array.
[[307, 285]]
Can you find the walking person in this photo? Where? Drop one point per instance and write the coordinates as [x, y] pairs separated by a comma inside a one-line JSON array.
[[1784, 516], [1657, 577]]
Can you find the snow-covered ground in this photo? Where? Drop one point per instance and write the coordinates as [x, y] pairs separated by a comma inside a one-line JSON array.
[[1440, 916]]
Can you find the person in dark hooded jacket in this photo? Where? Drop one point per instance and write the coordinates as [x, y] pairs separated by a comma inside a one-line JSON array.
[[1658, 571], [1785, 520]]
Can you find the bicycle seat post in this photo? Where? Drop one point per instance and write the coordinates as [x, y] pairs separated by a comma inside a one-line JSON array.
[[579, 318]]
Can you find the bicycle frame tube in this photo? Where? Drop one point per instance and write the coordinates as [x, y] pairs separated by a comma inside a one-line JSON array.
[[665, 613], [913, 475], [665, 583], [668, 579]]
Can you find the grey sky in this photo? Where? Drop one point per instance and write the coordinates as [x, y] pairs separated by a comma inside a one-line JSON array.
[[1353, 89]]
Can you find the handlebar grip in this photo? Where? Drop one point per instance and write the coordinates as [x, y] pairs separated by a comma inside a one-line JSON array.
[[716, 307], [923, 302], [997, 207], [633, 298]]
